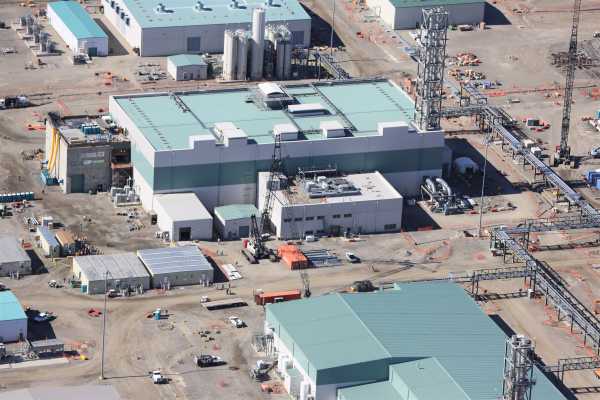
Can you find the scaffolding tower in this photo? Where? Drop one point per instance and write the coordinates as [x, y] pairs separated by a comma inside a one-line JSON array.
[[430, 72], [518, 368]]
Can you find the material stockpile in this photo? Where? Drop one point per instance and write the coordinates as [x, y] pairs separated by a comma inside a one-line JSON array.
[[321, 258], [292, 256], [465, 60]]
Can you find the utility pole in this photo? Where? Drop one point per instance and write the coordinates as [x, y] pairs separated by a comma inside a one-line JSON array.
[[104, 324], [332, 28], [485, 161]]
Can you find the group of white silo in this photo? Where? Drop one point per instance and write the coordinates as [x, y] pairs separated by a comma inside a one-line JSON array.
[[244, 52]]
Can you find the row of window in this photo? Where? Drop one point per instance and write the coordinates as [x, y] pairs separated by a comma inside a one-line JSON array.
[[319, 217]]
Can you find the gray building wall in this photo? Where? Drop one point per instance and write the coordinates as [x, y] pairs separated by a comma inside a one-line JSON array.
[[230, 229], [173, 40], [182, 278], [87, 164]]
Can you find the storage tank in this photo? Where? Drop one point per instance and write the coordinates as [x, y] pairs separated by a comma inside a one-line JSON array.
[[279, 57], [242, 55], [258, 43], [287, 60], [229, 55]]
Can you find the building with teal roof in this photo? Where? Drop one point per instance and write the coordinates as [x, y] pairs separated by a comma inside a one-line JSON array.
[[418, 341], [167, 27], [214, 142], [185, 67], [13, 321], [233, 221], [77, 29], [407, 14]]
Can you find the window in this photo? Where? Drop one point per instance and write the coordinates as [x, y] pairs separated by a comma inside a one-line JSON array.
[[308, 232], [320, 232], [389, 227], [347, 215], [193, 44], [298, 38], [321, 217], [287, 220], [309, 218], [298, 219], [336, 216]]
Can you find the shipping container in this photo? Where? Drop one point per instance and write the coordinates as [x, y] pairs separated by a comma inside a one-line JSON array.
[[275, 297]]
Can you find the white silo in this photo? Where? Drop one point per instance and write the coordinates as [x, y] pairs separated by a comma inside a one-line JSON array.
[[229, 55], [258, 45], [242, 55]]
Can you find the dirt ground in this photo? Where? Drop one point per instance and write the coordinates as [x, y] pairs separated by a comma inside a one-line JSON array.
[[514, 50]]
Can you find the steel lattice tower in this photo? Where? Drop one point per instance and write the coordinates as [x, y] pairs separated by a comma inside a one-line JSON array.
[[518, 369], [430, 72]]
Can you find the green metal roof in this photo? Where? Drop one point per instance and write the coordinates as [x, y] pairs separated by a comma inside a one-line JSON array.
[[362, 104], [77, 20], [215, 12], [182, 60], [413, 322], [422, 379], [10, 308], [431, 3], [236, 211]]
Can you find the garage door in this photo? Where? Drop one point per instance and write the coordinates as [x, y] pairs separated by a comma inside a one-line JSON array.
[[244, 231], [77, 183]]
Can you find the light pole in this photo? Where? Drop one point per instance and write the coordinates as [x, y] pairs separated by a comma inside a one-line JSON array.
[[332, 28], [104, 324], [487, 144]]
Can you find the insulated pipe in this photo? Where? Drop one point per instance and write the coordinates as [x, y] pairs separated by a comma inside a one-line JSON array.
[[445, 187]]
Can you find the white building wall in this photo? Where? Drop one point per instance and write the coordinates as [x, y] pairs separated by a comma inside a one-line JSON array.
[[13, 330], [132, 32], [364, 217], [69, 38], [173, 40], [384, 9], [409, 17]]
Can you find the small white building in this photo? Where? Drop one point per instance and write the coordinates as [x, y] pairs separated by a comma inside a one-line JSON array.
[[177, 266], [48, 242], [234, 221], [78, 30], [408, 14], [184, 216], [187, 67], [13, 321], [356, 203], [13, 259], [125, 272]]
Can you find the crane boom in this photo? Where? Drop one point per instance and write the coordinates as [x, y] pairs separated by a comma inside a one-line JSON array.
[[564, 150]]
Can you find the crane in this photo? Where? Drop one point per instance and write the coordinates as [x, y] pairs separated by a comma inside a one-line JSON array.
[[256, 243], [563, 153]]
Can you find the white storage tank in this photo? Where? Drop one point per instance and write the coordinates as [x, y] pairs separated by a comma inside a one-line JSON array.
[[258, 43], [242, 55], [229, 55]]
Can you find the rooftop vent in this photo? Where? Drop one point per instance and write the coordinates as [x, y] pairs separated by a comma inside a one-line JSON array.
[[333, 187], [160, 8], [307, 109], [234, 4], [199, 6]]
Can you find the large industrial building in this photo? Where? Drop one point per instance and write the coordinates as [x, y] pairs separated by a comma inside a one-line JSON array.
[[193, 141], [419, 341], [75, 26], [407, 14], [14, 260], [85, 154], [168, 27], [99, 273], [13, 321], [322, 205]]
